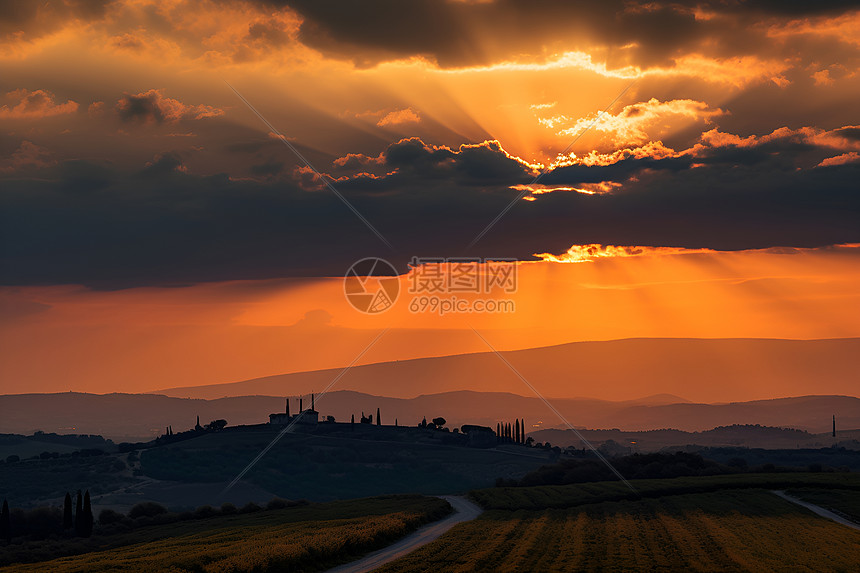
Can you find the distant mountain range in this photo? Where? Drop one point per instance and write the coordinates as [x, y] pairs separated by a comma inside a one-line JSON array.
[[142, 416], [701, 370]]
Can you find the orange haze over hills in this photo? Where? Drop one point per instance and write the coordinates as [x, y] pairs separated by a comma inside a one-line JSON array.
[[702, 371], [62, 338]]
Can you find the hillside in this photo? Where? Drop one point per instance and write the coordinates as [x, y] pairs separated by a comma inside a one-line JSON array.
[[701, 370], [133, 416]]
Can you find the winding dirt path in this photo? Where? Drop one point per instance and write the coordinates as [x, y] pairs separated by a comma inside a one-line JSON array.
[[818, 510], [464, 510]]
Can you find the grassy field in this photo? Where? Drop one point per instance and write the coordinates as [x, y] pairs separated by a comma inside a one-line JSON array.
[[562, 496], [28, 481], [729, 530], [308, 538], [844, 501]]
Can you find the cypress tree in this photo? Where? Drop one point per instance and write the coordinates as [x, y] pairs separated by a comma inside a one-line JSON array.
[[88, 515], [498, 429], [352, 422], [378, 418], [79, 514], [5, 522], [517, 431], [68, 522], [523, 430]]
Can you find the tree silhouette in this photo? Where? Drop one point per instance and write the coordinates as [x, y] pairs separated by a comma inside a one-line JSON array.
[[5, 522], [216, 425], [499, 429], [79, 513], [378, 418], [68, 520], [87, 525], [352, 421], [517, 431], [440, 421]]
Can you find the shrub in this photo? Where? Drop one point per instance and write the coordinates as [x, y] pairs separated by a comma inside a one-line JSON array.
[[228, 509], [250, 507], [277, 503], [205, 511], [42, 522], [146, 509], [109, 517]]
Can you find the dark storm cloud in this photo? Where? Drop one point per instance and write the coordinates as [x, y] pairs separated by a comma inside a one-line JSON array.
[[85, 223], [411, 161], [153, 106], [145, 107], [163, 163], [269, 168], [850, 132], [458, 34]]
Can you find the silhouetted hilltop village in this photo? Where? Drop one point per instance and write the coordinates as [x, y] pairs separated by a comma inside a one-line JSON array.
[[370, 426], [472, 435]]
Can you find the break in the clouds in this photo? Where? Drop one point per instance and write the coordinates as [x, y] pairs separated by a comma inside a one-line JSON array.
[[125, 158], [86, 223]]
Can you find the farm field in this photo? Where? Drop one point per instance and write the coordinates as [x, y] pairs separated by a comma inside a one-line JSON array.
[[843, 501], [729, 530], [27, 481], [307, 538], [563, 496]]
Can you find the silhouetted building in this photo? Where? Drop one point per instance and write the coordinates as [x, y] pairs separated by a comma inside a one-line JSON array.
[[309, 416]]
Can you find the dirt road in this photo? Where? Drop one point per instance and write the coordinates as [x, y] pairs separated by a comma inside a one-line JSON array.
[[464, 510]]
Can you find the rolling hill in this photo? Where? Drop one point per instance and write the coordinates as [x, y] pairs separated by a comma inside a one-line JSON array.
[[136, 416], [701, 370]]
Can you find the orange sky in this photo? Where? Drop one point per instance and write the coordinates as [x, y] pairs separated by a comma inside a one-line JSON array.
[[72, 338], [154, 232]]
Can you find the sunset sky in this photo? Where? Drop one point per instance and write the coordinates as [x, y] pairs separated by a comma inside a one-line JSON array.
[[155, 232]]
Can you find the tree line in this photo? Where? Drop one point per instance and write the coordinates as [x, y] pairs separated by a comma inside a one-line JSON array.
[[44, 521], [515, 433]]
